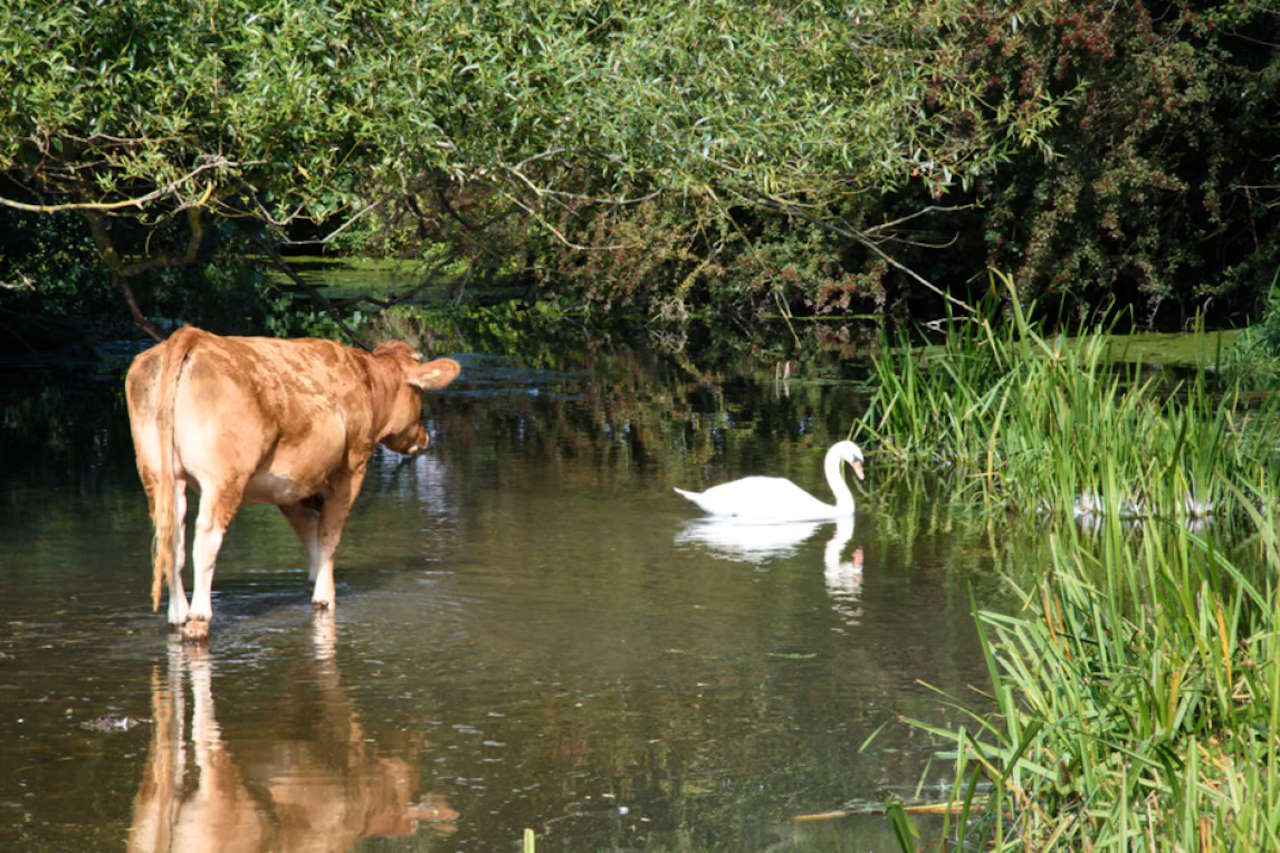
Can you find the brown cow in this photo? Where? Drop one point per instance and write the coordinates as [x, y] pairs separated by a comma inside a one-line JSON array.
[[263, 420]]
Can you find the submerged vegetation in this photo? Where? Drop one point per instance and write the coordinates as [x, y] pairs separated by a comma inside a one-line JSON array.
[[1136, 681]]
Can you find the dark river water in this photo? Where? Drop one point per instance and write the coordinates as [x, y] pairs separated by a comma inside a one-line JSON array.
[[532, 631]]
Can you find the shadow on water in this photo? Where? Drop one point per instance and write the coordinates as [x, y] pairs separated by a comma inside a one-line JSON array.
[[532, 630]]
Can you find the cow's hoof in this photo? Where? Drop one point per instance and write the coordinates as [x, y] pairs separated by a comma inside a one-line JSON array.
[[195, 630]]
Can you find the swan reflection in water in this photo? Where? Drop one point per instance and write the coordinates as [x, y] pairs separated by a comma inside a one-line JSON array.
[[736, 539], [325, 790], [843, 578], [732, 538]]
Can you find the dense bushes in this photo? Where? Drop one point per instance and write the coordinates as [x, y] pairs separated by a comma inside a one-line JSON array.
[[1163, 184], [676, 157]]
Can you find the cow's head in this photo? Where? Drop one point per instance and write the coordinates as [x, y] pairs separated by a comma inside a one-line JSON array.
[[405, 432]]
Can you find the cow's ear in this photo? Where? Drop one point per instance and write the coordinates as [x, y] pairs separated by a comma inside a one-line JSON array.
[[434, 374]]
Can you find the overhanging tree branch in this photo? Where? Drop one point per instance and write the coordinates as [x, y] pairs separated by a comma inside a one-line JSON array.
[[121, 272], [138, 202], [865, 240], [278, 261]]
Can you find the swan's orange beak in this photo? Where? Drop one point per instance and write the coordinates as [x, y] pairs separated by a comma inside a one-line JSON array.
[[856, 465]]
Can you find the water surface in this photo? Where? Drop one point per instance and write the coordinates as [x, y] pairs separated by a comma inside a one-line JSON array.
[[532, 630]]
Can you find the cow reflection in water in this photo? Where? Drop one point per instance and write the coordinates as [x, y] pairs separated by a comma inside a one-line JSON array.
[[323, 793]]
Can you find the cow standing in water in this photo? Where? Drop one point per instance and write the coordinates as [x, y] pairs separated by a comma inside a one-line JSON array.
[[262, 420]]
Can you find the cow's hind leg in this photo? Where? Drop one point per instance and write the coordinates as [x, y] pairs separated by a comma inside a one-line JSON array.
[[304, 518], [177, 595], [218, 505]]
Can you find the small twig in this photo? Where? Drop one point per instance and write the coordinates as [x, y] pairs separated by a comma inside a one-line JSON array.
[[918, 808], [25, 282], [369, 208], [318, 298], [919, 244], [932, 208]]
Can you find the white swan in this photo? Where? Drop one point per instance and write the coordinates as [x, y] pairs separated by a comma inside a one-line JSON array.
[[774, 499]]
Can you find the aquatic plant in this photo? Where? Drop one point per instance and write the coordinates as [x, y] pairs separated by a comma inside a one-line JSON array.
[[1135, 679], [1138, 701], [1036, 424]]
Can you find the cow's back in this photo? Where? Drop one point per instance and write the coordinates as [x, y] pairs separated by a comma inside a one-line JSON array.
[[279, 417]]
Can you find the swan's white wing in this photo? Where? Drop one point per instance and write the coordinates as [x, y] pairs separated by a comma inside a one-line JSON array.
[[764, 498]]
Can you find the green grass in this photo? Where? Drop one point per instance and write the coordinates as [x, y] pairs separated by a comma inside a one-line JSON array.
[[1137, 691], [1136, 678], [1029, 423]]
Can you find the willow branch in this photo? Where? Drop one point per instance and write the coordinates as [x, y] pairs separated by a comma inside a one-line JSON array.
[[139, 318], [369, 208], [316, 296], [861, 237], [932, 208], [540, 191], [139, 201], [121, 272], [106, 248], [560, 236]]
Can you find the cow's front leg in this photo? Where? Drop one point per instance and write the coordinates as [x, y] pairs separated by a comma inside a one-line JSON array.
[[304, 518], [218, 505], [333, 515]]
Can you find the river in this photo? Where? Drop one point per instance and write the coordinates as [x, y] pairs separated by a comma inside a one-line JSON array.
[[532, 630]]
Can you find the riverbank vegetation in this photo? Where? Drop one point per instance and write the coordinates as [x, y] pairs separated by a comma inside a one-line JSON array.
[[1064, 424], [782, 169], [1135, 678], [789, 176]]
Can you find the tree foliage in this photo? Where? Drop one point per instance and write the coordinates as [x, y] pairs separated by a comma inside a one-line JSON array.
[[795, 156], [1166, 179], [315, 104]]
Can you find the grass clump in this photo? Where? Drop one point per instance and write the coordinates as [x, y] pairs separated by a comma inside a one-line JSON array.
[[1136, 678], [1024, 421], [1138, 696]]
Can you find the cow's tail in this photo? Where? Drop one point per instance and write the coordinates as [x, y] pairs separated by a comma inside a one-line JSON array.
[[176, 350]]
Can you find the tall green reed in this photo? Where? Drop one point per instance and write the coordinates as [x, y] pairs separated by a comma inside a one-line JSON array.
[[1137, 696], [1024, 421], [1136, 680]]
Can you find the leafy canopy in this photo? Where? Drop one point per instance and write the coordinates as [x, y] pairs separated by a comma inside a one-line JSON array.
[[281, 110]]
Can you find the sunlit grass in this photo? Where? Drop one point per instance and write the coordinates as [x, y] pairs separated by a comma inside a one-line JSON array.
[[1030, 423], [1137, 689], [1136, 680]]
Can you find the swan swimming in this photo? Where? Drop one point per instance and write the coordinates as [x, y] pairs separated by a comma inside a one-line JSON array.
[[775, 499]]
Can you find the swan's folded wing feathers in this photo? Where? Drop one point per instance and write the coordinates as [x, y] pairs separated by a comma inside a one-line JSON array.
[[771, 498]]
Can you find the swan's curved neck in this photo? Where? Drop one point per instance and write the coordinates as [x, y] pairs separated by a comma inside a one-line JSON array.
[[831, 467]]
